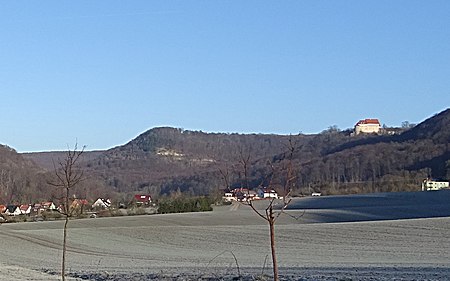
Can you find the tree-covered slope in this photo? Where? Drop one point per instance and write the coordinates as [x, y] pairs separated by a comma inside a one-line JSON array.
[[167, 160]]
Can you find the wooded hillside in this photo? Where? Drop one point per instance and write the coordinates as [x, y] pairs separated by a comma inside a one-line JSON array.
[[20, 179], [170, 160]]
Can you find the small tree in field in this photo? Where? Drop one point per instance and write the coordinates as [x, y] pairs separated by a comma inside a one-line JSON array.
[[67, 175], [284, 174]]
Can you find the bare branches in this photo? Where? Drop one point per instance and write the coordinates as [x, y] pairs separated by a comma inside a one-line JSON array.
[[281, 175], [68, 175], [244, 160], [256, 210], [225, 176]]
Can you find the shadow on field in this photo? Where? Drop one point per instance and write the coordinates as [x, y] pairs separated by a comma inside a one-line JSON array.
[[376, 206]]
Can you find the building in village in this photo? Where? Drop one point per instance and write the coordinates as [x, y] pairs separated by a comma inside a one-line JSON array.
[[264, 193], [101, 203], [142, 199], [429, 184]]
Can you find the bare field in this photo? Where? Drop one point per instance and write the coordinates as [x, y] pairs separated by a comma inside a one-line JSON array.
[[196, 244]]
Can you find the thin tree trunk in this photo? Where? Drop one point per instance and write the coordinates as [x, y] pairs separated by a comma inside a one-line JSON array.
[[67, 176], [272, 248], [63, 265]]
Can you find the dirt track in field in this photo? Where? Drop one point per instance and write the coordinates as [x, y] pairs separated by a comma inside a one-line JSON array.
[[204, 243]]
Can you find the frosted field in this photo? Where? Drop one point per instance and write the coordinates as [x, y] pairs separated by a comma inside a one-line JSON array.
[[196, 245]]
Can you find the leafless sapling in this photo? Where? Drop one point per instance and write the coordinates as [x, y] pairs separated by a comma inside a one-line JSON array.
[[271, 213], [67, 176]]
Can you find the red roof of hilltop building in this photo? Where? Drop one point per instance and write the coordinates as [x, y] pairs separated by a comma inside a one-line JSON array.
[[368, 121]]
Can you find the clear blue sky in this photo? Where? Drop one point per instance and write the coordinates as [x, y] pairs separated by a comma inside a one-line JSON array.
[[102, 72]]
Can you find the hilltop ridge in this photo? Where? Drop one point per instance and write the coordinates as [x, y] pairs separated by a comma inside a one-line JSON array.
[[165, 160]]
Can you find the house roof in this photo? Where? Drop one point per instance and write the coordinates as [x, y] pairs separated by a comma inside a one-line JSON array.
[[80, 202], [102, 202], [24, 207], [368, 121], [268, 190], [11, 208], [142, 197], [46, 204]]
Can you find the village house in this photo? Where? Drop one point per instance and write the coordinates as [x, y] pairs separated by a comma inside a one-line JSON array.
[[142, 199], [45, 206], [79, 206], [13, 210], [251, 195], [25, 209], [367, 126], [79, 203], [36, 208], [228, 197], [264, 193], [429, 184], [240, 194], [101, 203]]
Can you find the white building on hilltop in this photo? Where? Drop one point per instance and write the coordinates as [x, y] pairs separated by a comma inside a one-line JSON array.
[[367, 126]]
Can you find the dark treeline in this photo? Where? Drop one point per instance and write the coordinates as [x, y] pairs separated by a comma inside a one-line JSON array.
[[183, 204]]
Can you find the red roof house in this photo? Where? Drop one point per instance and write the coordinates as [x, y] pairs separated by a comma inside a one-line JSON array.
[[142, 199], [25, 209]]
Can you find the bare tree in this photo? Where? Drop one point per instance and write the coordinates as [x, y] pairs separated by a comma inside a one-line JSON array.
[[9, 186], [68, 175], [225, 174], [275, 207]]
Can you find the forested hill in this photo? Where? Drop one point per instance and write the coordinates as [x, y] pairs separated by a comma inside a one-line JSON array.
[[178, 143], [379, 163], [20, 178], [436, 129], [168, 160]]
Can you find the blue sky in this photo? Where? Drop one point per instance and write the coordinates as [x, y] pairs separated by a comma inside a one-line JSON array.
[[101, 72]]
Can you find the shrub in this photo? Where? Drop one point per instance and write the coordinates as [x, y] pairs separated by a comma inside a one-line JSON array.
[[51, 215]]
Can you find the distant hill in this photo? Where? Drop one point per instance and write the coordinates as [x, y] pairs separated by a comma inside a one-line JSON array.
[[169, 160], [11, 160], [21, 180]]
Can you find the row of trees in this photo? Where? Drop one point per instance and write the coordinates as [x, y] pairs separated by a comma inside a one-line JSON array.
[[184, 204]]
